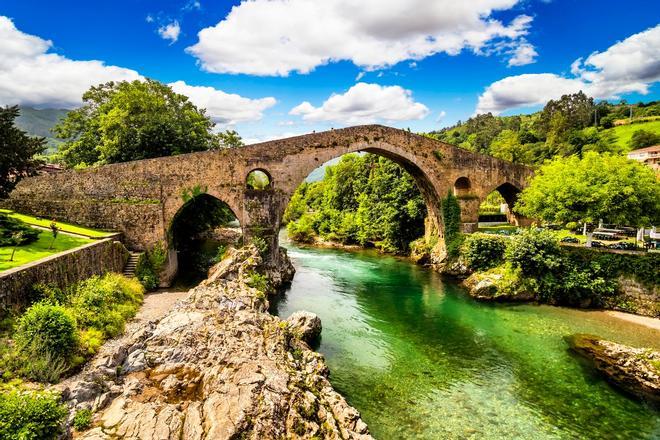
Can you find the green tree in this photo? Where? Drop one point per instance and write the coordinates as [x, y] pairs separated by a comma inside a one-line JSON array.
[[577, 110], [598, 186], [123, 121], [229, 139], [17, 151], [643, 138]]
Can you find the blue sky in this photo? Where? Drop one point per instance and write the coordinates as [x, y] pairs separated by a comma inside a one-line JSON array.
[[270, 68]]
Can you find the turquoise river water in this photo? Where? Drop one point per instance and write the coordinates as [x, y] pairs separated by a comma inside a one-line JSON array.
[[420, 359]]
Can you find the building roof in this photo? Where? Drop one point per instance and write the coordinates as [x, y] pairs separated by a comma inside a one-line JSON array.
[[653, 149]]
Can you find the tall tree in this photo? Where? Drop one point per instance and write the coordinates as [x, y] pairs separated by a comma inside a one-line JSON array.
[[17, 151], [598, 186], [123, 121], [577, 109]]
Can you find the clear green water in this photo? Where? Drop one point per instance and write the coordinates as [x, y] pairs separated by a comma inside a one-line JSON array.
[[419, 359]]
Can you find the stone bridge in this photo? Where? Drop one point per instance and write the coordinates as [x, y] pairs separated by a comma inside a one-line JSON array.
[[141, 198]]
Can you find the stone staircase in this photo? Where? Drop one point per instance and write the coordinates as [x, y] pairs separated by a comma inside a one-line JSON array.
[[131, 264]]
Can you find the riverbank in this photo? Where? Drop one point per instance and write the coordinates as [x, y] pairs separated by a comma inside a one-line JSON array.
[[217, 365]]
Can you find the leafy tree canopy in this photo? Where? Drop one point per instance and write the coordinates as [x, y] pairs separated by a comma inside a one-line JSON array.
[[643, 138], [597, 186], [123, 121], [17, 151]]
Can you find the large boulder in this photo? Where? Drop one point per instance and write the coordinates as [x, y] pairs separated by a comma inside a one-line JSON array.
[[306, 324], [634, 370]]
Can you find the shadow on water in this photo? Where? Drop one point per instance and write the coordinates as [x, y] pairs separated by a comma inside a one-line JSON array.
[[420, 359]]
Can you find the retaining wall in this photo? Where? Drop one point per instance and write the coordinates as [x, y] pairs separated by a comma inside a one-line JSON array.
[[61, 269]]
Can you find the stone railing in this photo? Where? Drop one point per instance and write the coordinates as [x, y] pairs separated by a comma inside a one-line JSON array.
[[61, 270]]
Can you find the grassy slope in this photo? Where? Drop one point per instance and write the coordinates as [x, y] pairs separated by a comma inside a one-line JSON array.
[[39, 249], [66, 227], [625, 132]]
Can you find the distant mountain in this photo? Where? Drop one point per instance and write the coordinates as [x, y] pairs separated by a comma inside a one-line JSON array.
[[38, 122]]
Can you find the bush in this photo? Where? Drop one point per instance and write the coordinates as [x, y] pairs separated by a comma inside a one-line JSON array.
[[105, 303], [82, 420], [483, 251], [47, 328], [302, 230], [30, 415], [9, 227], [536, 252], [146, 274], [571, 226], [49, 293]]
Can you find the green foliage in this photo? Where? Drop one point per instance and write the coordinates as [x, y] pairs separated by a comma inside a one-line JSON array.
[[125, 121], [261, 244], [17, 151], [106, 303], [229, 139], [483, 251], [643, 138], [149, 266], [258, 180], [258, 281], [570, 125], [49, 293], [82, 419], [46, 328], [10, 228], [30, 415], [536, 252], [598, 186], [363, 199], [451, 219]]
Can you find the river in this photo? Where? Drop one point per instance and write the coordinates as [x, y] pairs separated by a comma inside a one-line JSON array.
[[420, 359]]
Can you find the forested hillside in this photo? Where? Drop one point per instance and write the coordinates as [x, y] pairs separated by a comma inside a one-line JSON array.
[[40, 122], [570, 125]]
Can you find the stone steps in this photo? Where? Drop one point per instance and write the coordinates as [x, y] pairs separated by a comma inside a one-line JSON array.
[[131, 264]]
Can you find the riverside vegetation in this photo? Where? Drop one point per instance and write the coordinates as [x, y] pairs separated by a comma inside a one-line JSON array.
[[51, 339]]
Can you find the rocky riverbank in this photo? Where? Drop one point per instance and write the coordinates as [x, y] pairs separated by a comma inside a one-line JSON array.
[[634, 370], [216, 366]]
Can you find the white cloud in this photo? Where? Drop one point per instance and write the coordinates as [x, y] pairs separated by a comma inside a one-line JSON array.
[[31, 76], [631, 65], [224, 108], [277, 37], [441, 116], [365, 103], [523, 54], [170, 31]]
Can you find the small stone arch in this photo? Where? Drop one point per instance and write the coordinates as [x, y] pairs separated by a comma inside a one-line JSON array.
[[259, 179], [462, 187]]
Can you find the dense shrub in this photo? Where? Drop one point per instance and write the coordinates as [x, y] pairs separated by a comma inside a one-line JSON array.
[[302, 230], [105, 303], [49, 293], [536, 252], [47, 328], [82, 420], [11, 229], [30, 415], [451, 218], [483, 251]]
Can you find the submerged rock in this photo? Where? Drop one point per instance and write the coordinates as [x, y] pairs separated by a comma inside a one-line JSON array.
[[306, 324], [634, 370], [217, 366]]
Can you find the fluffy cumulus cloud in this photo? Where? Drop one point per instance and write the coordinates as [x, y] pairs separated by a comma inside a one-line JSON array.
[[29, 75], [224, 108], [523, 54], [277, 37], [631, 65], [170, 31], [365, 103]]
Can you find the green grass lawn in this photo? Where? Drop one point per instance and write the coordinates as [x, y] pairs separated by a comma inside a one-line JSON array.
[[65, 227], [625, 132], [39, 249]]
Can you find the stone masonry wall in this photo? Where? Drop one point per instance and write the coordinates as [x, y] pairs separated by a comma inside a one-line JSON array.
[[62, 270]]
